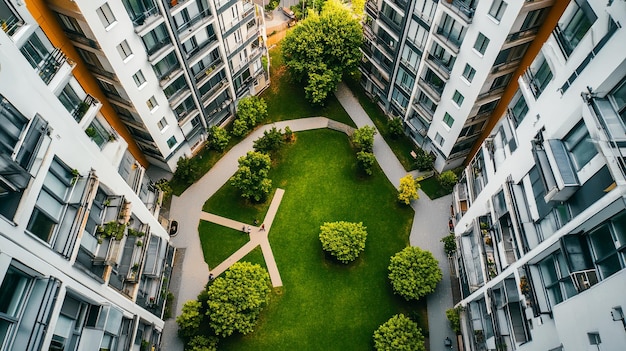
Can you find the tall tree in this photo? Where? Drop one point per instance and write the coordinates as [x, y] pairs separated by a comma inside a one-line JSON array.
[[321, 48], [251, 177], [414, 273], [250, 111]]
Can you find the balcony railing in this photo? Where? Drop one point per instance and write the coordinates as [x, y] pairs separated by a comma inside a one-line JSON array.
[[158, 46], [199, 48], [209, 94], [440, 66], [83, 107], [81, 38], [102, 72], [433, 89], [453, 43], [139, 19], [51, 65], [460, 8], [197, 18], [522, 34], [200, 76], [11, 25]]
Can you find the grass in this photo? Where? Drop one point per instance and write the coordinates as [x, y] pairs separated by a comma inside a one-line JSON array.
[[326, 305], [431, 187], [219, 242], [401, 145], [285, 101], [228, 203], [255, 256]]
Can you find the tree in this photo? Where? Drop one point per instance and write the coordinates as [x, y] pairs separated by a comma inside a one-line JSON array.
[[237, 298], [408, 189], [202, 343], [399, 333], [190, 319], [363, 138], [343, 240], [251, 177], [447, 180], [414, 273], [454, 317], [218, 138], [321, 48], [271, 140], [395, 127], [250, 111], [366, 161], [424, 161], [187, 170], [449, 244]]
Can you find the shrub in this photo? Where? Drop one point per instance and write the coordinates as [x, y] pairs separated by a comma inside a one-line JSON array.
[[447, 180], [424, 161], [363, 138], [218, 138], [202, 343], [271, 141], [250, 111], [187, 170], [395, 126], [189, 320], [288, 134], [399, 333], [408, 189], [449, 244], [454, 317], [414, 273], [343, 240], [251, 177], [366, 161]]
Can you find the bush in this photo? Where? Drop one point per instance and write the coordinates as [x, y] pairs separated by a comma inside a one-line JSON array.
[[163, 185], [366, 161], [424, 161], [454, 317], [251, 177], [189, 320], [363, 138], [397, 334], [250, 111], [218, 138], [447, 180], [343, 240], [449, 244], [237, 298], [414, 273], [202, 343], [288, 134], [271, 141], [395, 126], [187, 171], [408, 189]]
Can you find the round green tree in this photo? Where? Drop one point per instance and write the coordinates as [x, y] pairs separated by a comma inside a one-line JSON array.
[[343, 240], [190, 319], [237, 298], [408, 189], [218, 138], [251, 177], [414, 273], [399, 333]]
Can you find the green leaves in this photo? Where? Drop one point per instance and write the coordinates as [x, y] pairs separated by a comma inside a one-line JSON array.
[[343, 240], [252, 176], [237, 298], [218, 138], [190, 319], [363, 138], [399, 333], [414, 273], [408, 189], [250, 111]]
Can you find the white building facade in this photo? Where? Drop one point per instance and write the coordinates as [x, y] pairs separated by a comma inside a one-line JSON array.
[[84, 261], [540, 212], [170, 68], [442, 66]]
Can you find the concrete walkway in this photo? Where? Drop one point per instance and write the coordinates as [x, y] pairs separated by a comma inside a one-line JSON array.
[[430, 223]]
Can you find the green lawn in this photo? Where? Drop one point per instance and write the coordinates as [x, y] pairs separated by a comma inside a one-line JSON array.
[[219, 242], [431, 187], [402, 145], [325, 305]]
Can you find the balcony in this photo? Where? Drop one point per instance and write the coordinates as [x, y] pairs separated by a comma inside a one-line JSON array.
[[489, 95], [189, 25], [88, 103], [461, 200], [371, 8], [100, 71], [424, 110], [52, 64], [453, 43], [223, 5], [517, 38], [146, 14], [82, 39], [433, 90], [440, 66], [202, 76], [195, 53], [461, 8], [154, 49], [214, 89], [10, 22]]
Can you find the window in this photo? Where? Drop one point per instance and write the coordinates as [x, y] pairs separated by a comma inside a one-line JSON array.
[[399, 98], [469, 72], [424, 101], [519, 108], [162, 124], [451, 30], [439, 139], [139, 78], [618, 97], [124, 49], [106, 15], [167, 65], [534, 18], [481, 43], [406, 80], [177, 86], [501, 81], [156, 39], [35, 50], [152, 103], [417, 34], [389, 13], [69, 98], [14, 293], [51, 202], [171, 142], [442, 57], [605, 254], [425, 9], [579, 24], [69, 24], [579, 144], [410, 58], [448, 120], [541, 78], [556, 278], [458, 98], [497, 9]]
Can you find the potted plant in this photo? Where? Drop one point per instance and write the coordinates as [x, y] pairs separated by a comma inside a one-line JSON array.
[[135, 267], [91, 132]]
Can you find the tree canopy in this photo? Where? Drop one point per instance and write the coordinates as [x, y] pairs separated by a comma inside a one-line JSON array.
[[399, 333], [343, 240], [251, 177], [237, 298], [250, 111], [363, 138], [414, 273], [321, 48], [218, 138], [408, 189]]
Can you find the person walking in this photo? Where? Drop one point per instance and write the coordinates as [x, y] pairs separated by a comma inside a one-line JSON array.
[[263, 227], [249, 230]]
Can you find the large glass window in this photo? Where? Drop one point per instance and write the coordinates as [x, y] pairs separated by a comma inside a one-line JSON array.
[[481, 43], [442, 57], [178, 85], [618, 97], [535, 18], [156, 39], [556, 278], [69, 98], [166, 66], [451, 30], [579, 24], [518, 108], [541, 77], [607, 258], [391, 14], [13, 295], [35, 50], [579, 145]]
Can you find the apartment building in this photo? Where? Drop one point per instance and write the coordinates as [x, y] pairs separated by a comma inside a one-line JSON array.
[[84, 260], [442, 66], [171, 68], [540, 211]]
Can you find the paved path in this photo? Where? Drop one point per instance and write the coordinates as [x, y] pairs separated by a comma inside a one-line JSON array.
[[430, 223]]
